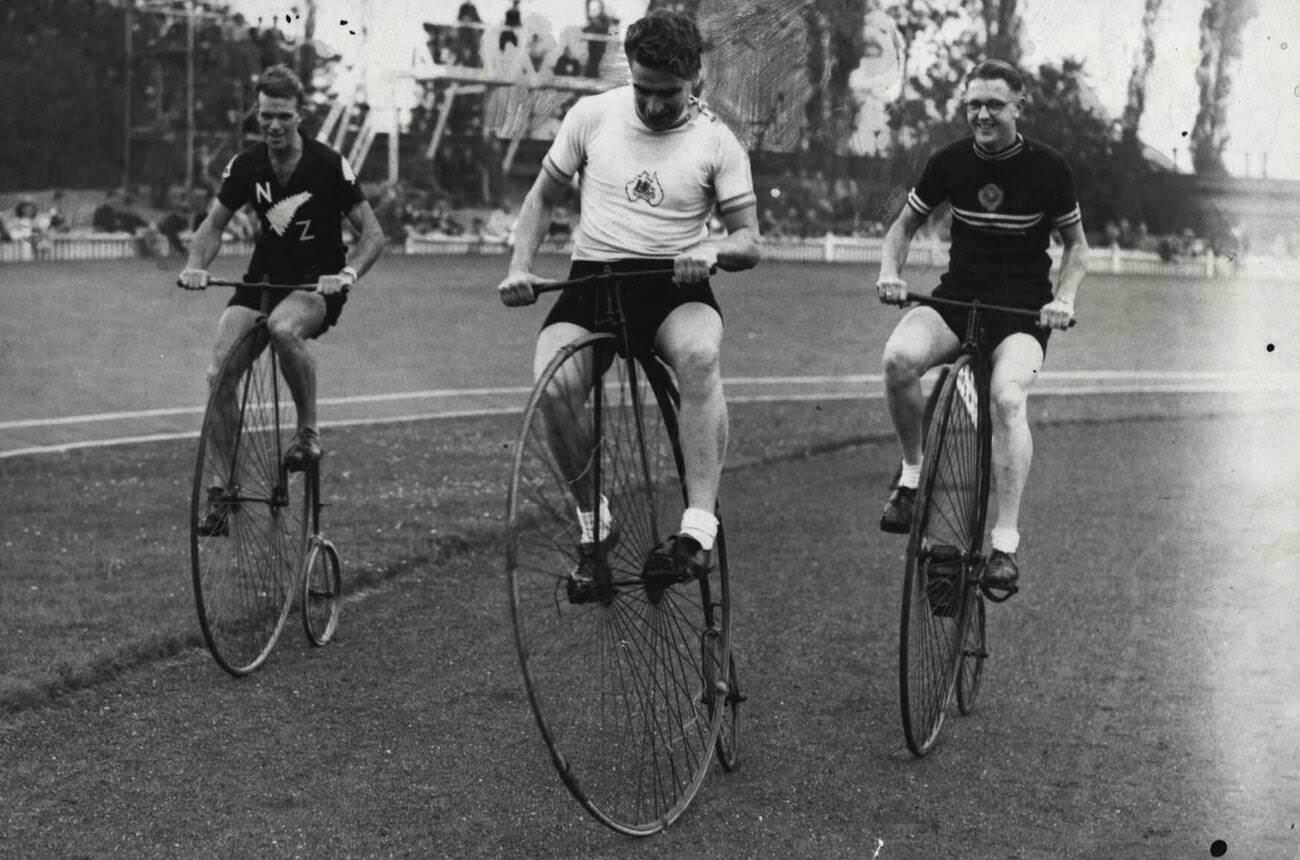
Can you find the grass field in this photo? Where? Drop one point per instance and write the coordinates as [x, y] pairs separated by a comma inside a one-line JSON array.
[[94, 575]]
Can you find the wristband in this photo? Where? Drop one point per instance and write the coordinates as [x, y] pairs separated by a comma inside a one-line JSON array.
[[348, 270]]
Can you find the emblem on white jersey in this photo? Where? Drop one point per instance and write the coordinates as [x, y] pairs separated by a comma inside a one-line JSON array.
[[646, 186], [991, 197], [280, 216]]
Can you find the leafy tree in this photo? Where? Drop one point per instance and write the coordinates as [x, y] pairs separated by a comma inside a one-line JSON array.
[[65, 66], [1222, 22]]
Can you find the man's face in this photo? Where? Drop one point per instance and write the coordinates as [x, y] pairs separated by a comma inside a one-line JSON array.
[[992, 109], [661, 97], [279, 120]]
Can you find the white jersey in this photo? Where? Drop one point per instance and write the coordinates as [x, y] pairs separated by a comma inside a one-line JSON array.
[[646, 193]]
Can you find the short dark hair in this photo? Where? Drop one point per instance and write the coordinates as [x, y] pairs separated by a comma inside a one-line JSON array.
[[666, 41], [998, 70], [281, 82]]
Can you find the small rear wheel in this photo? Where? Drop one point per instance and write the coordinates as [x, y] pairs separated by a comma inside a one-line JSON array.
[[322, 591]]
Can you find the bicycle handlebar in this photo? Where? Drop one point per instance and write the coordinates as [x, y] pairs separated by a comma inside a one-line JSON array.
[[923, 299], [220, 282], [554, 286]]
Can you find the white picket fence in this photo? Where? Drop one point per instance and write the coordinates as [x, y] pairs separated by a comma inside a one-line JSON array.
[[829, 249]]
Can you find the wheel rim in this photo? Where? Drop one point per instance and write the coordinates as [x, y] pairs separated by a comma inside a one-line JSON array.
[[944, 535], [244, 581], [322, 591], [973, 655], [616, 682]]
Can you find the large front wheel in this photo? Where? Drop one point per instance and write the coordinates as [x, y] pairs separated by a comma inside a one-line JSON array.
[[942, 553], [248, 514], [614, 666]]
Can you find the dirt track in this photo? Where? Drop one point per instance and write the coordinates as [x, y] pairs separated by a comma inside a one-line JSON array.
[[1141, 701]]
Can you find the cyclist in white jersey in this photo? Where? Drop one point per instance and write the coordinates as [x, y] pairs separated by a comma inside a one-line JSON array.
[[653, 165]]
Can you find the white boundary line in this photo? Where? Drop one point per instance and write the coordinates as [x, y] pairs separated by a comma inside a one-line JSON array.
[[1127, 382]]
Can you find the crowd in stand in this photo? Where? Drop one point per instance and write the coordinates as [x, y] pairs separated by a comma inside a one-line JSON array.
[[462, 44]]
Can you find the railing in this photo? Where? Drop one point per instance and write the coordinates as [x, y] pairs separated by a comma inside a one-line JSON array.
[[924, 252], [98, 246]]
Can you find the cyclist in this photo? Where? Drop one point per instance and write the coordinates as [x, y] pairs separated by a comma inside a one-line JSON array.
[[1007, 194], [654, 164], [301, 191]]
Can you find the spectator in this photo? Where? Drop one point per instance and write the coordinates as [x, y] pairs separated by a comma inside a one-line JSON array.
[[771, 225], [560, 230], [598, 24], [390, 212], [179, 220], [470, 35], [55, 216], [500, 226], [567, 64], [25, 226], [105, 218], [514, 21]]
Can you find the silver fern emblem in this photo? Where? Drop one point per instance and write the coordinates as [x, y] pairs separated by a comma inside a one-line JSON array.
[[280, 216]]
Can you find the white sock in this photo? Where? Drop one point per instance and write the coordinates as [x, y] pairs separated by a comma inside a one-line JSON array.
[[1005, 540], [701, 525], [587, 522], [911, 474]]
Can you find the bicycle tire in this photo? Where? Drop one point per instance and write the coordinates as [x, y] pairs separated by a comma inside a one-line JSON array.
[[946, 533], [322, 591], [243, 575], [973, 653], [614, 675]]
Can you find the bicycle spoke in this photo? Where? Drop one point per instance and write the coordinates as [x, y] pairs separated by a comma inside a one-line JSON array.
[[244, 577], [932, 636], [615, 678]]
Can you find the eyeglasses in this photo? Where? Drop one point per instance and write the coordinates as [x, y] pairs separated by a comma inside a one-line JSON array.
[[995, 106]]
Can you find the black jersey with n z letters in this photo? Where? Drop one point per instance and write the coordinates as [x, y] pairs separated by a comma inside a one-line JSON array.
[[1004, 208], [301, 235]]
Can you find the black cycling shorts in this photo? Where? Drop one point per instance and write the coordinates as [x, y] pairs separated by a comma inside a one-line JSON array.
[[251, 298], [994, 327], [647, 301]]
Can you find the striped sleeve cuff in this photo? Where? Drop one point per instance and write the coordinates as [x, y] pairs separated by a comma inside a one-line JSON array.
[[918, 205], [555, 172], [1074, 216], [740, 201]]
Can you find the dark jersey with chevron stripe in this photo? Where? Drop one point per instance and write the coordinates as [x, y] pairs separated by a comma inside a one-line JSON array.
[[1004, 208], [301, 236]]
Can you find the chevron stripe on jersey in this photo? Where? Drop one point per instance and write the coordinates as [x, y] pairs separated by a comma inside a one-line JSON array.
[[997, 222]]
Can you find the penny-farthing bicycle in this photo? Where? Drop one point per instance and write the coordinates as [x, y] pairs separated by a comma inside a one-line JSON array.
[[630, 676], [255, 540], [942, 637]]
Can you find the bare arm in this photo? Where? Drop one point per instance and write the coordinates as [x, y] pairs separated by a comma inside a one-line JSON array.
[[739, 250], [890, 286], [370, 242], [1074, 266], [534, 219], [206, 241], [1074, 263], [893, 255]]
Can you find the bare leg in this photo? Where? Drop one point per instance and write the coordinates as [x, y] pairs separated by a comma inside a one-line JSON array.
[[569, 434], [234, 323], [690, 340], [295, 319], [920, 341], [1016, 363]]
